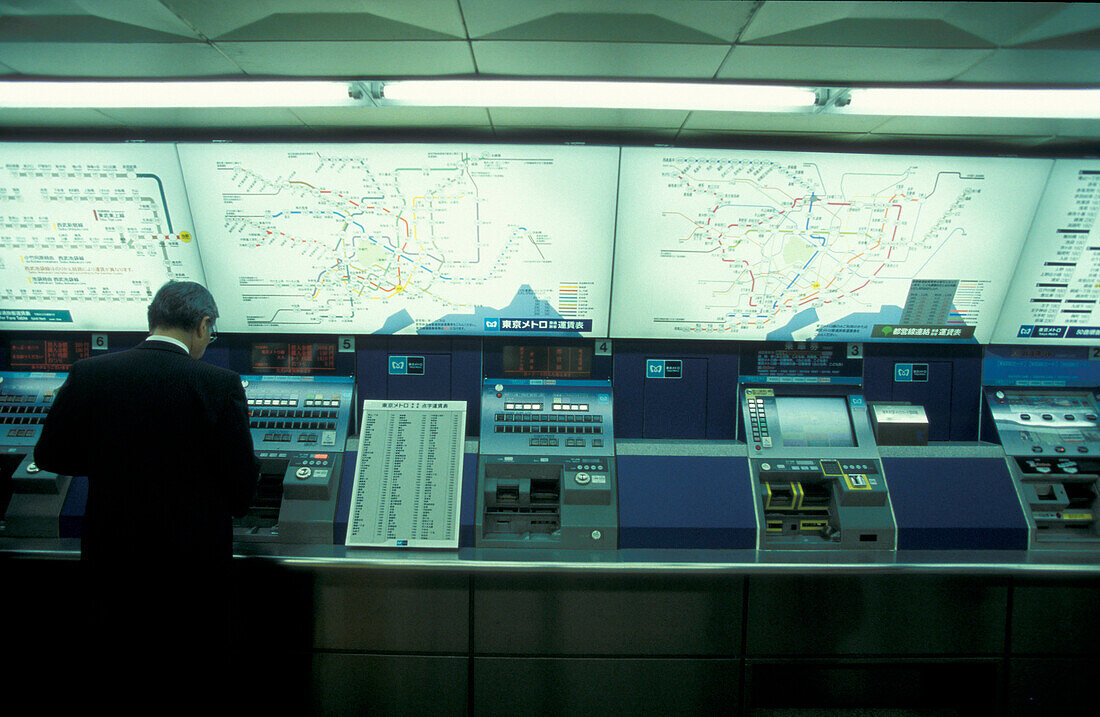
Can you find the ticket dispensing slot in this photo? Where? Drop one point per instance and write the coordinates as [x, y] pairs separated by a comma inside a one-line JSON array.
[[819, 480], [1050, 437], [522, 500]]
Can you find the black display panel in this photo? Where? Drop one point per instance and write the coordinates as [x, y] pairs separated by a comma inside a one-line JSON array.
[[291, 357], [47, 354], [536, 361]]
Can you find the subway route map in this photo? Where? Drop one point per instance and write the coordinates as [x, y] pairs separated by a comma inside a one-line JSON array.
[[463, 239], [813, 246]]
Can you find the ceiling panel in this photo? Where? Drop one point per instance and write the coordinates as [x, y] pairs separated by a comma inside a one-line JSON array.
[[657, 21], [350, 59], [895, 24], [1070, 20], [579, 118], [598, 59], [1037, 67], [78, 118], [395, 117], [205, 117], [840, 65], [94, 59], [990, 126], [102, 18], [1001, 22], [831, 43], [215, 19], [932, 143], [752, 138], [765, 121]]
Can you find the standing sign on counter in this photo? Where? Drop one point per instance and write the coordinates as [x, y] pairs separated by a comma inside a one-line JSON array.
[[408, 475]]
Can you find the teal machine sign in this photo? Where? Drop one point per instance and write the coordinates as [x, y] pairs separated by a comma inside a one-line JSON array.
[[664, 368], [406, 366]]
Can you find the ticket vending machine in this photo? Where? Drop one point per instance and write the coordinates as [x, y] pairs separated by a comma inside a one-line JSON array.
[[1051, 438], [815, 468], [299, 428], [546, 464], [32, 501]]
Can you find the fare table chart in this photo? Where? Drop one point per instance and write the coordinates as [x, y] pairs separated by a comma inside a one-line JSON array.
[[408, 476]]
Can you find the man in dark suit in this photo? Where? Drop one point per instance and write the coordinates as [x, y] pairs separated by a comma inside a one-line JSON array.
[[165, 443]]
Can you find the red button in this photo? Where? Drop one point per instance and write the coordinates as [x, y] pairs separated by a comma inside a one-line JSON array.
[[320, 456]]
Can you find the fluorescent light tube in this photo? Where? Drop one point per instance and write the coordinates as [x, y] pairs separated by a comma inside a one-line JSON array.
[[973, 102], [172, 93], [597, 94]]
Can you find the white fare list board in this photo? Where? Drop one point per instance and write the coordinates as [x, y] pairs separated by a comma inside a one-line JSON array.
[[408, 475]]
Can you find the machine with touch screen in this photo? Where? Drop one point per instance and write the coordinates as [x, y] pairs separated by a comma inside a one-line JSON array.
[[299, 427], [546, 464], [1052, 441], [815, 468]]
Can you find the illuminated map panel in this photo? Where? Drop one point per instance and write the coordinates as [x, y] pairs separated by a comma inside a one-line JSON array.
[[430, 239], [1054, 294], [89, 232], [812, 246]]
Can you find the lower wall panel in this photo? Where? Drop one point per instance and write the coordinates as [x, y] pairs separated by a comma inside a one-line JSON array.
[[350, 684], [605, 686], [1047, 686], [607, 615], [931, 686], [811, 615], [1056, 619]]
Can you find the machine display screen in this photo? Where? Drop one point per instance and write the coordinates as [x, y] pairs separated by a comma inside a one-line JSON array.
[[548, 362], [293, 357], [47, 354], [814, 421]]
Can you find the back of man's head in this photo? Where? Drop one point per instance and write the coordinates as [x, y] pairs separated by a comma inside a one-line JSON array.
[[181, 305]]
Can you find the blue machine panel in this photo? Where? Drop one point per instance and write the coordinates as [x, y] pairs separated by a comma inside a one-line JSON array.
[[700, 404], [685, 502], [676, 406], [955, 504], [946, 380], [419, 377]]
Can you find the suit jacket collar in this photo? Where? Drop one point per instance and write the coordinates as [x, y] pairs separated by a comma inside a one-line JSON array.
[[161, 346]]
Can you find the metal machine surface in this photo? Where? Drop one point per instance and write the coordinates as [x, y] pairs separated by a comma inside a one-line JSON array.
[[299, 427], [818, 479], [31, 500], [546, 464], [1051, 438]]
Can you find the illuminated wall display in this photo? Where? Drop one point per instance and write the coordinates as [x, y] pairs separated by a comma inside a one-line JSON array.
[[520, 240], [427, 239], [813, 246], [89, 232], [1053, 297]]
